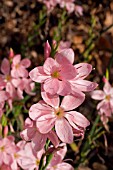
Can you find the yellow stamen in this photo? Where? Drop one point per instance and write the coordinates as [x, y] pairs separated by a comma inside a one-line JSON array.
[[55, 74], [16, 155], [17, 66], [37, 162], [59, 112], [2, 148], [108, 97], [8, 77]]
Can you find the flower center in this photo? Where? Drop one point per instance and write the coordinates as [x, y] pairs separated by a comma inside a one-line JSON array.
[[59, 112], [2, 148], [16, 155], [108, 97], [55, 74], [8, 78], [17, 66], [37, 162]]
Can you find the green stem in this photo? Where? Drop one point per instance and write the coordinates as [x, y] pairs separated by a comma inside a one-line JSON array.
[[94, 126], [88, 144], [106, 29], [41, 165]]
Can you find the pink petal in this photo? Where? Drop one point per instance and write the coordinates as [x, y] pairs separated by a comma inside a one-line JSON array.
[[7, 159], [22, 72], [97, 95], [68, 53], [68, 71], [2, 83], [11, 90], [20, 93], [84, 85], [63, 59], [52, 100], [107, 87], [48, 65], [38, 75], [53, 138], [77, 118], [101, 104], [105, 108], [70, 102], [39, 109], [28, 123], [58, 156], [83, 70], [45, 123], [28, 134], [16, 59], [64, 88], [26, 62], [51, 85], [64, 130], [63, 45], [64, 166], [5, 66], [16, 82], [111, 104], [3, 96], [39, 141], [14, 73]]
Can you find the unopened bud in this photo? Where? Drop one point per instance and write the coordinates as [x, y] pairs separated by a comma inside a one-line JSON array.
[[11, 53], [47, 50], [5, 131]]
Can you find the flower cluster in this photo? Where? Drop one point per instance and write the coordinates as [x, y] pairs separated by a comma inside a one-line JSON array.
[[69, 5], [105, 106], [21, 155], [52, 118], [14, 80]]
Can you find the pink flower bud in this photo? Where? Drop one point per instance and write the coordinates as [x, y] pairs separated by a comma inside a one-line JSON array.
[[5, 131], [104, 79], [11, 53], [47, 50], [54, 43]]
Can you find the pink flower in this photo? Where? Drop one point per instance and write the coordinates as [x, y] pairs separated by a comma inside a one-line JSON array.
[[7, 147], [19, 66], [49, 4], [69, 4], [30, 160], [78, 83], [106, 97], [7, 81], [25, 84], [48, 114], [57, 160], [38, 139], [55, 75], [17, 155]]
